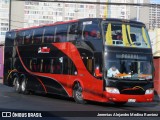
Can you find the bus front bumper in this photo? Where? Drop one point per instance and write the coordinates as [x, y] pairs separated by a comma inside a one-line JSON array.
[[129, 98]]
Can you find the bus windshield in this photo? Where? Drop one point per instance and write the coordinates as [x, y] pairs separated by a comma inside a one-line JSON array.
[[128, 67], [126, 35]]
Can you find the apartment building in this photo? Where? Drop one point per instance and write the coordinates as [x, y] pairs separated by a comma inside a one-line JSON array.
[[33, 13], [4, 19], [154, 17], [37, 13]]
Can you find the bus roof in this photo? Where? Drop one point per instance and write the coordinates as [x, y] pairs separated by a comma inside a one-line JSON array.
[[56, 23], [84, 19]]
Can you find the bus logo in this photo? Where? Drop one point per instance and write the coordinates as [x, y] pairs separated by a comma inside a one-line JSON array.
[[43, 50], [134, 88]]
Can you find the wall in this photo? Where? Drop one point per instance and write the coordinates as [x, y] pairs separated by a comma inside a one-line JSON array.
[[157, 74], [1, 61]]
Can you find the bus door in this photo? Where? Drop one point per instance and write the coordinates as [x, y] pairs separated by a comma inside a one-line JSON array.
[[98, 68]]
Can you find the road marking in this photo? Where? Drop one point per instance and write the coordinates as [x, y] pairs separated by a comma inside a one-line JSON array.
[[6, 96]]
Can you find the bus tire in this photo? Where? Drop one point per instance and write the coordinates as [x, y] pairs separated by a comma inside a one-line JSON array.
[[17, 84], [77, 94], [24, 86]]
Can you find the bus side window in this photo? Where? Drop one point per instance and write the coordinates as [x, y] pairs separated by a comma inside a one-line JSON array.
[[65, 65], [90, 31], [28, 36], [61, 33], [38, 35], [20, 38], [72, 32], [33, 65], [49, 34], [52, 66], [56, 65], [46, 66], [10, 38], [88, 61], [72, 68]]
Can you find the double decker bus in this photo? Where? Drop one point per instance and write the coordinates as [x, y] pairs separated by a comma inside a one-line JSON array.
[[104, 60]]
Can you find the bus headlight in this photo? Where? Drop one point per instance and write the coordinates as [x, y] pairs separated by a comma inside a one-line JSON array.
[[112, 90], [149, 91]]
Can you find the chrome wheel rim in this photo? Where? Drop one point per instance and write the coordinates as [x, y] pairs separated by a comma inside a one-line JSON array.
[[79, 93], [16, 84], [23, 86]]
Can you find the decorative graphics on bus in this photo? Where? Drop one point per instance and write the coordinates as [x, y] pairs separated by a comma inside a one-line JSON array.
[[134, 88], [43, 50]]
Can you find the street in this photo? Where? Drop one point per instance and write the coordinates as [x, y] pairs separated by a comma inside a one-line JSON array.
[[54, 105]]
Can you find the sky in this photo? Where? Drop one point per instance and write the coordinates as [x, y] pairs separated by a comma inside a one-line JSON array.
[[155, 1]]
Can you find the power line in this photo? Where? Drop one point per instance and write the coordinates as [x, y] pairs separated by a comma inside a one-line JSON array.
[[101, 3]]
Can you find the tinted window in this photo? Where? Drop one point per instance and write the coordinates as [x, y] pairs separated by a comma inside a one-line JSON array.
[[38, 35], [72, 34], [46, 65], [28, 36], [56, 65], [61, 33], [49, 34], [20, 37], [90, 30], [10, 37], [34, 64], [89, 63]]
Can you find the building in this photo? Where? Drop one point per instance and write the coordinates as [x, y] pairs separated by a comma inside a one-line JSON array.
[[155, 41], [32, 13], [1, 61], [37, 13], [118, 11], [4, 19], [154, 16], [140, 13], [154, 26]]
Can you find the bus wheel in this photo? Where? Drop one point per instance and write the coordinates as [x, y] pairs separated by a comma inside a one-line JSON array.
[[17, 85], [23, 86], [77, 94]]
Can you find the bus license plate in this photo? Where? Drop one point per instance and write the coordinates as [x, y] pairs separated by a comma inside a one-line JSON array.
[[131, 100]]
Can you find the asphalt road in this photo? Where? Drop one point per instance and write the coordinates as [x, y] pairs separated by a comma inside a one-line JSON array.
[[64, 108]]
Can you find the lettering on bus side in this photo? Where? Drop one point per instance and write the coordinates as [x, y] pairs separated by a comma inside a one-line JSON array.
[[43, 50], [131, 56]]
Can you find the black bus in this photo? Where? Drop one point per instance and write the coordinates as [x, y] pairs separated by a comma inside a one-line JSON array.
[[88, 59]]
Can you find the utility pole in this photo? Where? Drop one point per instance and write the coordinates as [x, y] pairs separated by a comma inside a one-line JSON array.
[[138, 10], [10, 6], [106, 10]]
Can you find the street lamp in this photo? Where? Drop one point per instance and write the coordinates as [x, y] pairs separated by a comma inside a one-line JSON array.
[[10, 6]]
